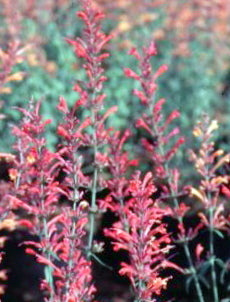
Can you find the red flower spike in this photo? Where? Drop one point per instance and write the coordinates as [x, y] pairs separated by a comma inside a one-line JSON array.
[[158, 150], [35, 187], [139, 221], [162, 144], [76, 279]]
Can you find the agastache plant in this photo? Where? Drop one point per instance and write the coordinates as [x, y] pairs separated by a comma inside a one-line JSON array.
[[36, 190], [139, 230], [60, 228], [207, 162], [90, 49], [142, 234], [36, 170], [162, 145], [48, 191], [158, 150], [76, 277], [76, 133]]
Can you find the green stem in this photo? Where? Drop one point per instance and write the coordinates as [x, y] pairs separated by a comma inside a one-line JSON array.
[[44, 232], [94, 189], [189, 257], [75, 198], [212, 257], [92, 213], [211, 239], [193, 271], [180, 219]]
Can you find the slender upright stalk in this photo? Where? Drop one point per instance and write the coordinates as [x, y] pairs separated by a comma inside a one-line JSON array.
[[212, 256], [75, 199], [94, 188], [157, 127], [186, 245], [205, 162], [193, 272], [44, 231], [179, 218], [90, 47]]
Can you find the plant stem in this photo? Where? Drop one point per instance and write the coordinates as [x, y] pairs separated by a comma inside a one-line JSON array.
[[92, 212], [94, 188], [211, 239], [189, 257], [212, 257], [180, 219], [193, 270], [75, 198], [49, 277]]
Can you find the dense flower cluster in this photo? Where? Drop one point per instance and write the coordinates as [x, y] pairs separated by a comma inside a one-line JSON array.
[[140, 231], [36, 189]]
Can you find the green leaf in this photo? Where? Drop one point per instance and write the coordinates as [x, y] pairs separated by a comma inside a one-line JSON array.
[[188, 283], [219, 233]]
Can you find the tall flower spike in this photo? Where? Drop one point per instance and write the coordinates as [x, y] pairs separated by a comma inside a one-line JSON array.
[[159, 150], [207, 162], [75, 279], [139, 229], [163, 142], [36, 190], [90, 133], [142, 234], [90, 48]]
